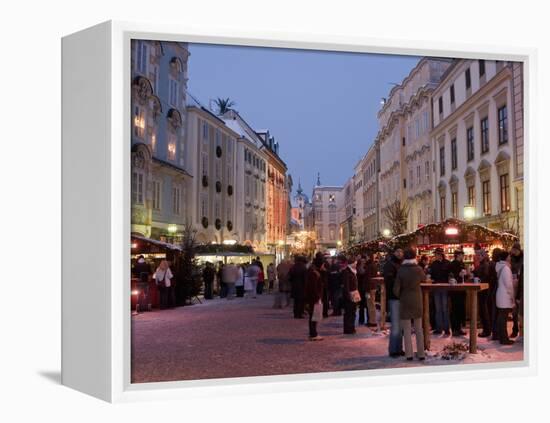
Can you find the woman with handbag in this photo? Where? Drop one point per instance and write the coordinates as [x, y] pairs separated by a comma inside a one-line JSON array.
[[163, 277], [313, 292], [351, 294]]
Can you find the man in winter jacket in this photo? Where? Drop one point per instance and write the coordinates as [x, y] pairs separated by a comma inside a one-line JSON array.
[[297, 279], [439, 272], [395, 347], [505, 297], [516, 255], [349, 283], [458, 299]]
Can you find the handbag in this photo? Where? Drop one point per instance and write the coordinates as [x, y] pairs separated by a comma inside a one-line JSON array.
[[354, 296], [317, 314], [162, 283]]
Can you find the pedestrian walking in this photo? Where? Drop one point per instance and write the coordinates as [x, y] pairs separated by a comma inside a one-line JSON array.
[[505, 296], [271, 276], [230, 275], [335, 288], [208, 274], [439, 273], [361, 269], [142, 271], [313, 293], [371, 273], [251, 279], [261, 280], [297, 279], [350, 294], [163, 277], [239, 284], [395, 347], [407, 289], [282, 299]]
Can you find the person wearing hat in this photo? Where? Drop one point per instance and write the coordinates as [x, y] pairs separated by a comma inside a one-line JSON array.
[[458, 299], [516, 256], [439, 272], [349, 283], [395, 346]]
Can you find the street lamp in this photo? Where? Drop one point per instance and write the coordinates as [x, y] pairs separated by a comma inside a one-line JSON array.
[[469, 212], [386, 232], [172, 229]]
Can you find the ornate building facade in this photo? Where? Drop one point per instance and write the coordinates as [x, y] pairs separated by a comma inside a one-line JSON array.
[[159, 179]]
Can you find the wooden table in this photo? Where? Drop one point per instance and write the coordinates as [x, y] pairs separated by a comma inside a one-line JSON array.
[[379, 281], [471, 289]]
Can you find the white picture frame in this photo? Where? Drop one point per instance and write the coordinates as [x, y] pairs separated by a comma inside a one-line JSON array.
[[96, 213]]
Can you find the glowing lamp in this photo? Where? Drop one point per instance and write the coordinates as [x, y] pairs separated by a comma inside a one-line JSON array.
[[229, 241], [172, 229], [134, 245], [135, 292], [451, 231], [386, 232], [469, 212], [281, 242]]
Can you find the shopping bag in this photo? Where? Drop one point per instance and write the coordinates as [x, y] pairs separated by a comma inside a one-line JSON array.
[[317, 315]]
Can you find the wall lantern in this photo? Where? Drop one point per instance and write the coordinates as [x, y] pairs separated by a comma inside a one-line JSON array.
[[469, 212]]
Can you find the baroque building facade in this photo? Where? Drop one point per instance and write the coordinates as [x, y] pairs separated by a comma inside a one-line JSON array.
[[477, 143], [159, 175]]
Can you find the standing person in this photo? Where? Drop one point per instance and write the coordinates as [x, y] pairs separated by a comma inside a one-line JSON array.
[[313, 293], [439, 272], [208, 274], [271, 276], [239, 284], [505, 298], [335, 288], [481, 271], [372, 272], [362, 287], [395, 347], [407, 289], [516, 256], [221, 283], [261, 281], [163, 276], [458, 299], [349, 285], [297, 279], [424, 263], [230, 274], [284, 285], [142, 270], [493, 285], [252, 273], [324, 279]]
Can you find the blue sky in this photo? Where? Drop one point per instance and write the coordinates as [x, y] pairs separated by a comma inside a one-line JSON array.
[[320, 106]]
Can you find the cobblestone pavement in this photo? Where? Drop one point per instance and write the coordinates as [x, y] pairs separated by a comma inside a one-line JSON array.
[[247, 337]]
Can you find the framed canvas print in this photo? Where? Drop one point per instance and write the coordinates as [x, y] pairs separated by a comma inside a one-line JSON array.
[[249, 212]]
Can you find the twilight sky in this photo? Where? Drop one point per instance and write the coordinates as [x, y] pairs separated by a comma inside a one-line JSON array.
[[320, 106]]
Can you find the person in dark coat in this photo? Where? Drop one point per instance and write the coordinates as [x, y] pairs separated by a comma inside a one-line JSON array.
[[335, 288], [439, 272], [481, 271], [313, 294], [516, 256], [395, 347], [297, 279], [371, 272], [407, 289], [493, 284], [142, 271], [362, 278], [208, 274], [349, 284], [324, 279], [458, 299]]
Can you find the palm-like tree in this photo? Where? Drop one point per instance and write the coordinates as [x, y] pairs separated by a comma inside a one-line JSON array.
[[224, 105]]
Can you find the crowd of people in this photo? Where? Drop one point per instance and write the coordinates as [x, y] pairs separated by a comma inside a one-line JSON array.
[[346, 286]]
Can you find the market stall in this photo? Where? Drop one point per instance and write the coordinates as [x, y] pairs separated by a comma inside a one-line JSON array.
[[375, 246]]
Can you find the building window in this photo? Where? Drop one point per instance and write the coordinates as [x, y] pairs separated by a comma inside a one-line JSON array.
[[502, 125], [486, 188], [156, 80], [470, 142], [442, 161], [442, 207], [142, 54], [471, 195], [481, 68], [204, 206], [154, 142], [173, 92], [454, 160], [404, 183], [137, 187], [171, 147], [452, 91], [454, 204], [204, 130], [484, 135], [331, 198], [139, 122], [440, 105], [156, 195], [468, 79], [176, 199], [504, 193], [418, 174], [204, 166]]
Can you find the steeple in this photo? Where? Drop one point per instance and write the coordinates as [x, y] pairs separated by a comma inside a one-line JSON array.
[[299, 190], [318, 179]]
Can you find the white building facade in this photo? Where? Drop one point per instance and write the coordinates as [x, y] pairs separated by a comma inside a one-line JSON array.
[[326, 202]]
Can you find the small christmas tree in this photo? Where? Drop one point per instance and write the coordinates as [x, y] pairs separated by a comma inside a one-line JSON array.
[[189, 278]]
